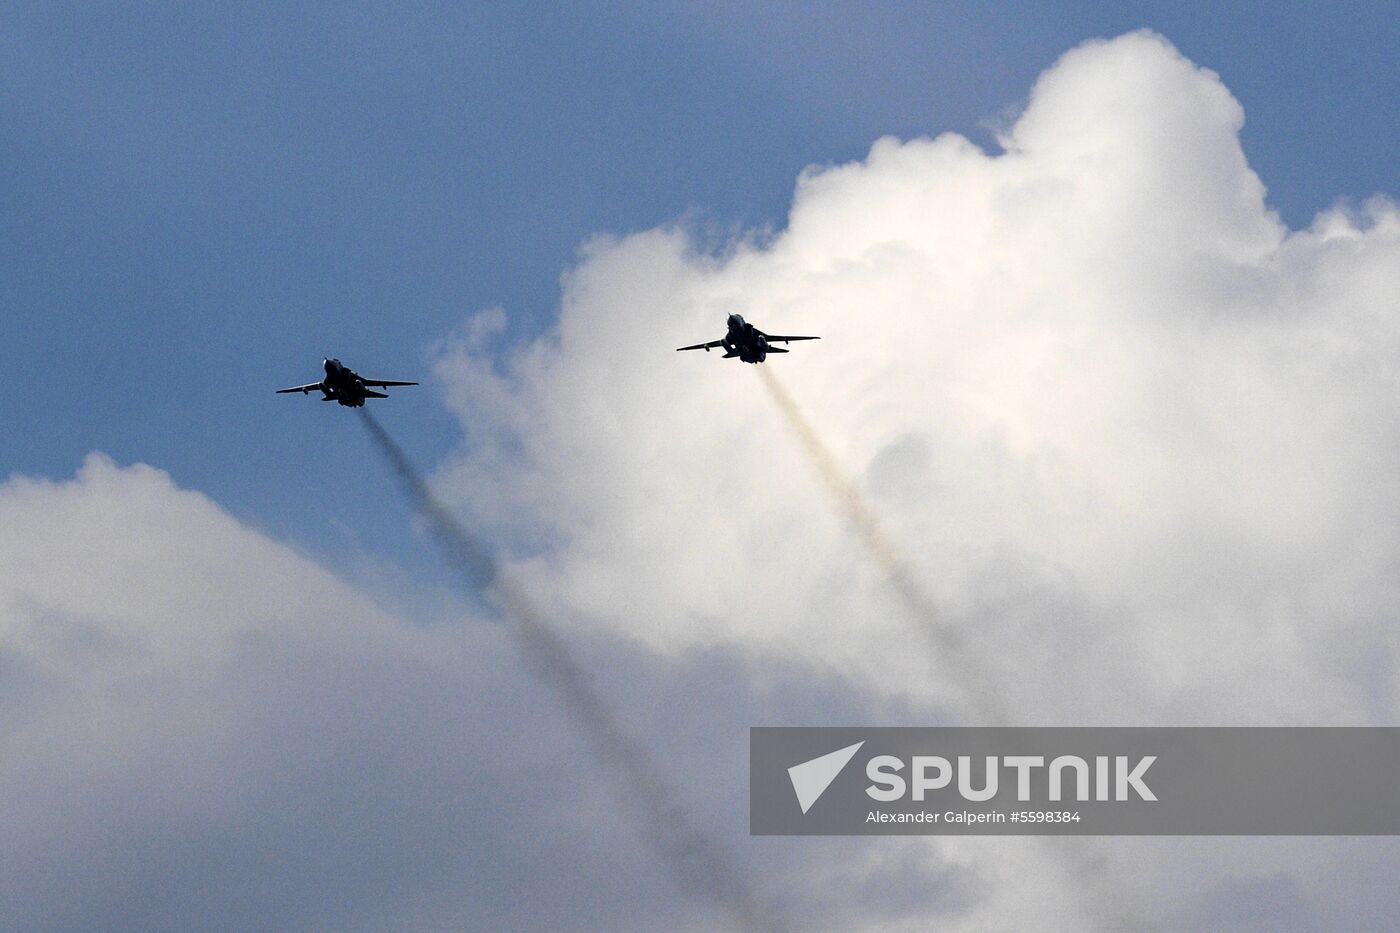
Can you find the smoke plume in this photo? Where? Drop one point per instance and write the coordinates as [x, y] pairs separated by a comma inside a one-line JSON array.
[[697, 862], [983, 706]]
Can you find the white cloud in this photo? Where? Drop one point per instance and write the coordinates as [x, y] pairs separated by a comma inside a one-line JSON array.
[[202, 728], [1135, 438]]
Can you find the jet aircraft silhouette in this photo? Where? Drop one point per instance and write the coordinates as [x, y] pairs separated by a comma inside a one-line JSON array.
[[345, 386], [746, 342]]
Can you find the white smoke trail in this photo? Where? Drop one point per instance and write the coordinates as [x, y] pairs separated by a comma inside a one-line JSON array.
[[1102, 894], [983, 703]]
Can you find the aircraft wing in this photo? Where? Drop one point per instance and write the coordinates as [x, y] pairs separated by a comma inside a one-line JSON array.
[[302, 389], [779, 338], [702, 346], [384, 383]]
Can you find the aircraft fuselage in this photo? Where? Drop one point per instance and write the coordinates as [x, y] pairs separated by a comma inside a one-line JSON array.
[[342, 384], [744, 341]]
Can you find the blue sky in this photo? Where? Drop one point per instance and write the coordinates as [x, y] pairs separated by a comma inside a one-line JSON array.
[[201, 200]]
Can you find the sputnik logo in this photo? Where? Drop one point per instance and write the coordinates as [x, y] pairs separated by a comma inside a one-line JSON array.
[[811, 778]]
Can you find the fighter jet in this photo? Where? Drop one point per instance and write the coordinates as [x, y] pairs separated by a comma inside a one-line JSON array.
[[345, 386], [746, 342]]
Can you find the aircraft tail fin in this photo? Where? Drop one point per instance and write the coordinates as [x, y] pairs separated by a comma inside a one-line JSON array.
[[776, 350], [731, 353], [370, 393]]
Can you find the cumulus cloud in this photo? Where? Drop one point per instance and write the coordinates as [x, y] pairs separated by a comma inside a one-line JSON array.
[[204, 728], [1133, 438]]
